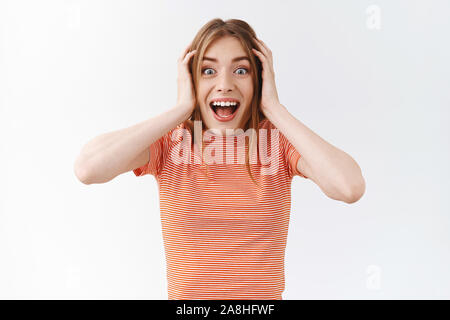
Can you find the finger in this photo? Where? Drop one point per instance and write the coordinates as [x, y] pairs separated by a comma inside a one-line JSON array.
[[266, 46], [264, 49], [189, 55], [261, 46], [261, 57], [266, 63], [267, 53], [187, 48], [185, 51], [258, 44]]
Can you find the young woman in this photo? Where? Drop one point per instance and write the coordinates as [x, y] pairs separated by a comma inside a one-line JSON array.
[[224, 212]]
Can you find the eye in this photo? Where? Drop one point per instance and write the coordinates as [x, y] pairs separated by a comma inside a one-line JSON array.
[[246, 70], [204, 69]]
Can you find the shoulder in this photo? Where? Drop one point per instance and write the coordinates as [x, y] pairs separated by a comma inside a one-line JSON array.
[[266, 124], [183, 125], [272, 129], [174, 135]]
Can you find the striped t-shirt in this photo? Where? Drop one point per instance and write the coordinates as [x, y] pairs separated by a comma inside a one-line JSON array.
[[224, 238]]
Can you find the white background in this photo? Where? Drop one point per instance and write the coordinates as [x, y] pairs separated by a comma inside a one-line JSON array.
[[71, 70]]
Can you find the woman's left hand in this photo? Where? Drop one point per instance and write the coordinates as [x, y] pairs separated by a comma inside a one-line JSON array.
[[269, 95]]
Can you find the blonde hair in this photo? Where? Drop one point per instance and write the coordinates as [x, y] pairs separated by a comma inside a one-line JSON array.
[[240, 30]]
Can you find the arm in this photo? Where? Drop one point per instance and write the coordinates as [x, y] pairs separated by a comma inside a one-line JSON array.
[[333, 170], [113, 153]]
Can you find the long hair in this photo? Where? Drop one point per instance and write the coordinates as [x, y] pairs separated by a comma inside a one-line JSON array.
[[212, 30]]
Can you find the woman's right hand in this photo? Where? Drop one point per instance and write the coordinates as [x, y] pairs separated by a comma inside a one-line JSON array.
[[186, 94]]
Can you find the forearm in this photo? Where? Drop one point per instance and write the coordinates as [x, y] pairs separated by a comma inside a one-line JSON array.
[[334, 171], [108, 154]]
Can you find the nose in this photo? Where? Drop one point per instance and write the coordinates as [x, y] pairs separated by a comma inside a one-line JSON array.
[[224, 82]]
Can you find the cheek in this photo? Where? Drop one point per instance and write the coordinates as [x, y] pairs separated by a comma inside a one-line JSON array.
[[202, 87], [201, 96], [247, 86], [247, 107]]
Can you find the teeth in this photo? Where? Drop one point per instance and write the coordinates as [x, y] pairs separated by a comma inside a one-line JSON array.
[[224, 104]]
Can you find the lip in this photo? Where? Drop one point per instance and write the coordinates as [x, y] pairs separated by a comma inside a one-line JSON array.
[[221, 119], [225, 100]]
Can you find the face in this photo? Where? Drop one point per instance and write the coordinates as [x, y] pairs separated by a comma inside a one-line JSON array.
[[224, 76]]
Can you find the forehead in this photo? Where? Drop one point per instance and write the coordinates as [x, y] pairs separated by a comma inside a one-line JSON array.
[[225, 49]]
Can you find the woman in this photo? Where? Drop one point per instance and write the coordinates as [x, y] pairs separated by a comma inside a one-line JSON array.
[[224, 222]]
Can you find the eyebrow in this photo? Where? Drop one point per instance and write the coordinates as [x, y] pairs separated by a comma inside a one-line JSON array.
[[234, 60]]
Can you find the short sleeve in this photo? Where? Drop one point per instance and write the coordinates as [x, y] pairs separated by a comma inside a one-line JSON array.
[[158, 154], [290, 154], [292, 157]]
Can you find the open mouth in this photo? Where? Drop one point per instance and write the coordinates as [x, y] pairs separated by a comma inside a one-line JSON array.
[[224, 113]]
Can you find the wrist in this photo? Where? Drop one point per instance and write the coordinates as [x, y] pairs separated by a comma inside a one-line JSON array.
[[274, 110], [185, 111]]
